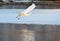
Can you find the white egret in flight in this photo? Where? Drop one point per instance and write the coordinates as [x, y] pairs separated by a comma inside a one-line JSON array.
[[26, 11]]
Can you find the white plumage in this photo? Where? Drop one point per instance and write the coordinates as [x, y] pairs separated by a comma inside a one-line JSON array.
[[30, 8], [26, 11]]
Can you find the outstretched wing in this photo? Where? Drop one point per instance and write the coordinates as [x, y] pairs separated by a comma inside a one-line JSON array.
[[29, 9], [26, 11]]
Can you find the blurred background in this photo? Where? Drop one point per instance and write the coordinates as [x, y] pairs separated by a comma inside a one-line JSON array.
[[41, 4], [42, 25]]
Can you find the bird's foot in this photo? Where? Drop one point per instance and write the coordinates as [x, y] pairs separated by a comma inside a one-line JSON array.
[[18, 18]]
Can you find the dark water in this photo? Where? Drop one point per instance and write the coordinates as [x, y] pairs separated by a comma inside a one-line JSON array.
[[42, 32]]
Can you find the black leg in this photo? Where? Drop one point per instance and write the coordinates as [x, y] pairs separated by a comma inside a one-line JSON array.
[[17, 17]]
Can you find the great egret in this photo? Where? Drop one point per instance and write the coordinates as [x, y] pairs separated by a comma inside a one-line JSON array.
[[26, 11]]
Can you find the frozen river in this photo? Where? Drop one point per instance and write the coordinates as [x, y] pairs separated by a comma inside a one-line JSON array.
[[37, 16]]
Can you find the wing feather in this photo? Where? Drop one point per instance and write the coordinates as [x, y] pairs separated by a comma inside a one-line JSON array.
[[29, 9]]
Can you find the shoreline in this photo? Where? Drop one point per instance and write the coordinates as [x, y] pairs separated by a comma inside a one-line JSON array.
[[28, 3]]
